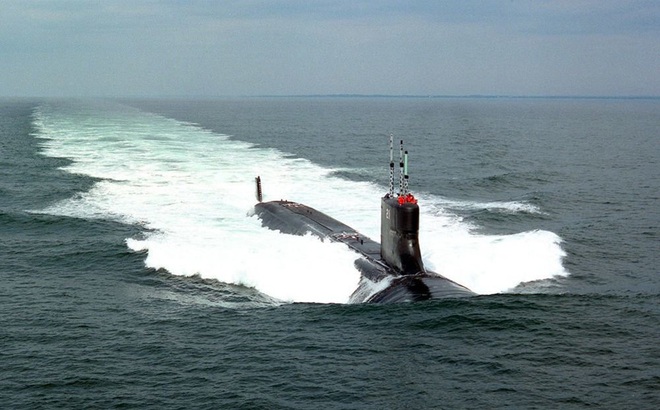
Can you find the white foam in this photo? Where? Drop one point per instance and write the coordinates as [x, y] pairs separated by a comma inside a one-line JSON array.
[[195, 189], [511, 207]]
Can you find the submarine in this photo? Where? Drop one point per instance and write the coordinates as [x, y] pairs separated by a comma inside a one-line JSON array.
[[390, 272]]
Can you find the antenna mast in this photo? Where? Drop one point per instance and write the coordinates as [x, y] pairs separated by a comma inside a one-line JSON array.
[[405, 173], [401, 168], [391, 193]]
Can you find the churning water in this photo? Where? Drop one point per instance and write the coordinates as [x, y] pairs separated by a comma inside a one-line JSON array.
[[134, 274]]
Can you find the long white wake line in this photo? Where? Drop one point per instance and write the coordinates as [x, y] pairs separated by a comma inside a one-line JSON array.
[[194, 188]]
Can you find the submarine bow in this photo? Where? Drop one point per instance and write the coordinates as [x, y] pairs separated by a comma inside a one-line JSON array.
[[392, 271]]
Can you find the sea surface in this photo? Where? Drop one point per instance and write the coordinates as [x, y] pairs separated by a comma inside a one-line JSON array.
[[134, 275]]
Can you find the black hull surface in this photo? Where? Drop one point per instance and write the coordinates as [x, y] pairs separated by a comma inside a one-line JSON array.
[[380, 282]]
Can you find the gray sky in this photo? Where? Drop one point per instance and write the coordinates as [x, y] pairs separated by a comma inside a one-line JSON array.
[[257, 47]]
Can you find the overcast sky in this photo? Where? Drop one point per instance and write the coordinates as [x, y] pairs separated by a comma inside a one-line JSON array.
[[285, 47]]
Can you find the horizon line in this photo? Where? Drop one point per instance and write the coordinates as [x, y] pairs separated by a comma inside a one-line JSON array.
[[353, 95], [550, 96]]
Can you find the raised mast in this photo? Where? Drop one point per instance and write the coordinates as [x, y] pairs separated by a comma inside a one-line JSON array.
[[391, 191]]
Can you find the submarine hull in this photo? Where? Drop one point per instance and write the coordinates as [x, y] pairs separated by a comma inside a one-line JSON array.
[[380, 281]]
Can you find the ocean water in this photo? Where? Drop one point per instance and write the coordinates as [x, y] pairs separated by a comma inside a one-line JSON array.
[[133, 274]]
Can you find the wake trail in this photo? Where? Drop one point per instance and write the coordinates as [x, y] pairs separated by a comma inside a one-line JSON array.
[[194, 191]]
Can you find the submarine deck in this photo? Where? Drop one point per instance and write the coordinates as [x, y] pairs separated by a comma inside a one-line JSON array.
[[317, 223]]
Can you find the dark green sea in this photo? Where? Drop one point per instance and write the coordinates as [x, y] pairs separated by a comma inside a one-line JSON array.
[[132, 274]]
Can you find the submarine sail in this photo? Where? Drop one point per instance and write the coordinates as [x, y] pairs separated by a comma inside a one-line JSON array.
[[392, 271]]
